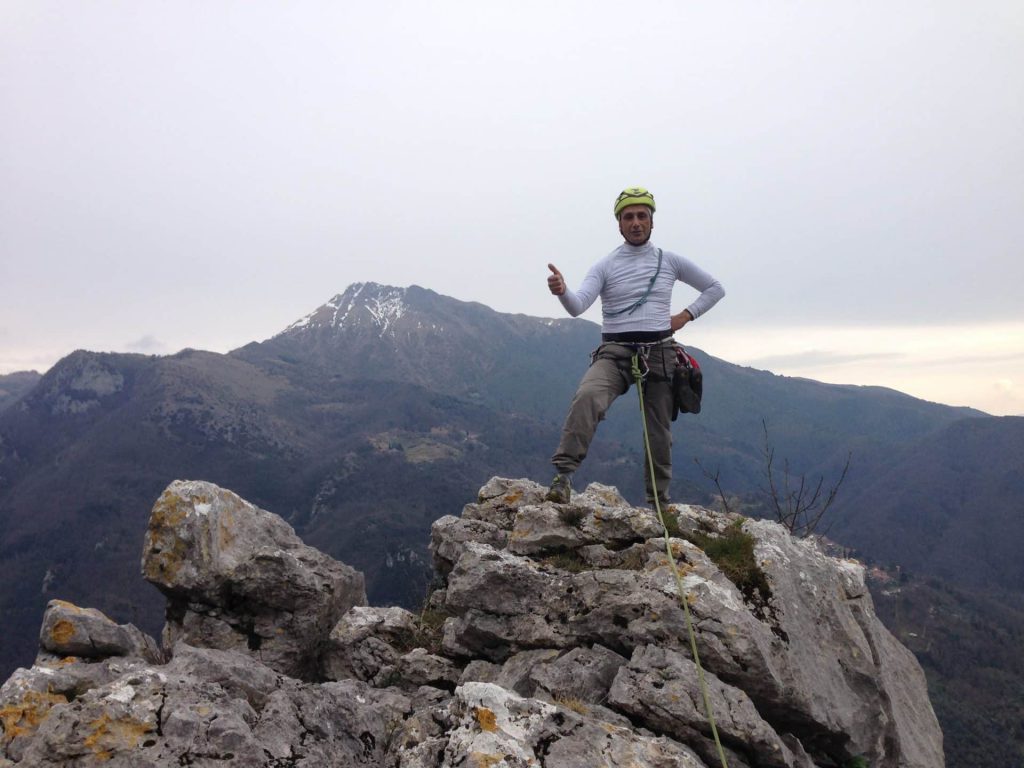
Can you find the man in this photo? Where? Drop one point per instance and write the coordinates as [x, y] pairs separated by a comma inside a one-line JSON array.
[[635, 283]]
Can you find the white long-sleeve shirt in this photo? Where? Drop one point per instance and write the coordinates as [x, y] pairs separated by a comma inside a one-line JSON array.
[[621, 278]]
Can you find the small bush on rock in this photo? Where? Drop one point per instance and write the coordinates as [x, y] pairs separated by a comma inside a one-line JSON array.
[[566, 561], [671, 521], [428, 630], [733, 552], [571, 515]]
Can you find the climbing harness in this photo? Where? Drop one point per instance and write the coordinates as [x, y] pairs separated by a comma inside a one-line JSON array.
[[638, 375], [643, 299]]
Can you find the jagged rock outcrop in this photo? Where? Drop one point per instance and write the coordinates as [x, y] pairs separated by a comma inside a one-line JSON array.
[[72, 631], [238, 578], [555, 637]]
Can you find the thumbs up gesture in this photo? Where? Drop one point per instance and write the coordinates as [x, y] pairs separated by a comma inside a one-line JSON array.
[[556, 283]]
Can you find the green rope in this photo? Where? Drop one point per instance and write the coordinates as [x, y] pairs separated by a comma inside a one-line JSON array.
[[639, 377]]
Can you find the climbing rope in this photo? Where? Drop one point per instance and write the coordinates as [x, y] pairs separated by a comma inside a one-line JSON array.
[[638, 375]]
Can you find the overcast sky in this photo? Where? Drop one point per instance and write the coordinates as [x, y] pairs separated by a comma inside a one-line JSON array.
[[202, 174]]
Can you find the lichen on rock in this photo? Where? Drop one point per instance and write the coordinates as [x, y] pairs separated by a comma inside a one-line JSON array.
[[555, 637]]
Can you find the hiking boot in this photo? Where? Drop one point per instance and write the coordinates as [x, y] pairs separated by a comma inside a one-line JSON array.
[[663, 502], [560, 490]]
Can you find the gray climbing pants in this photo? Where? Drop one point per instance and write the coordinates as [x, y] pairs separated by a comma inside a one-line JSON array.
[[609, 376]]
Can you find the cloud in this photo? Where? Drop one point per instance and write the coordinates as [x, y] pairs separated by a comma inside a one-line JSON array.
[[146, 344], [817, 358], [1003, 385], [973, 364]]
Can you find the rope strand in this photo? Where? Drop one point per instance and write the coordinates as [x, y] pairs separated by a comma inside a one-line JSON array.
[[638, 375]]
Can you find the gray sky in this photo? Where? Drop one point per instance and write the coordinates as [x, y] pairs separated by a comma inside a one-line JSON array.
[[202, 174]]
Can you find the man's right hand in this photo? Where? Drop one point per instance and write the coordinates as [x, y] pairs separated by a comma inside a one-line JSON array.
[[556, 283]]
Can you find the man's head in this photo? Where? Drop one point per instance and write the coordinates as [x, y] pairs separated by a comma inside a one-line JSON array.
[[634, 208]]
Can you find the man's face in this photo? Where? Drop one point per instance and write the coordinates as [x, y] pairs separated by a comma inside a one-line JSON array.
[[636, 223]]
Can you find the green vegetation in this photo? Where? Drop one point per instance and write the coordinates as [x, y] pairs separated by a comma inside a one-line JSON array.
[[573, 703], [969, 646], [428, 629], [634, 559], [566, 561], [571, 515], [733, 552], [671, 523]]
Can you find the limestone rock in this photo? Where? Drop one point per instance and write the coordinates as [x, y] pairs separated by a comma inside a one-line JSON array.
[[496, 727], [29, 695], [582, 674], [449, 535], [233, 672], [813, 661], [660, 688], [419, 667], [500, 497], [516, 673], [366, 644], [212, 707], [72, 631], [237, 577], [556, 637]]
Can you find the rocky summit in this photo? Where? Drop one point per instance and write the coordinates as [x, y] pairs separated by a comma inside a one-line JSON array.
[[554, 636]]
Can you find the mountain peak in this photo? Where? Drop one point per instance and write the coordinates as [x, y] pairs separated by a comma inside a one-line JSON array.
[[362, 304]]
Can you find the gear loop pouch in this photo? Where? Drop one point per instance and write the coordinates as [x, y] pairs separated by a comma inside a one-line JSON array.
[[687, 383]]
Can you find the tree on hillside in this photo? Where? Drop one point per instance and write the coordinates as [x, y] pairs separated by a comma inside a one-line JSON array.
[[800, 505]]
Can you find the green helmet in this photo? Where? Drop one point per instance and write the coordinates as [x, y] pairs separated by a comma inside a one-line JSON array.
[[633, 196]]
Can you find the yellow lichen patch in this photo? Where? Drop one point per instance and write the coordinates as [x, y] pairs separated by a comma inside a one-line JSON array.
[[485, 717], [169, 511], [55, 663], [484, 759], [62, 632], [512, 498], [169, 550], [24, 717], [109, 735]]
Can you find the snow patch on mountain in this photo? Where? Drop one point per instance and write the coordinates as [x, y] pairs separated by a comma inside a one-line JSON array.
[[384, 304], [387, 308]]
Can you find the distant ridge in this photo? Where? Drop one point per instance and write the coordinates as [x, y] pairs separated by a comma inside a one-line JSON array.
[[14, 385], [366, 418], [417, 336], [949, 505]]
